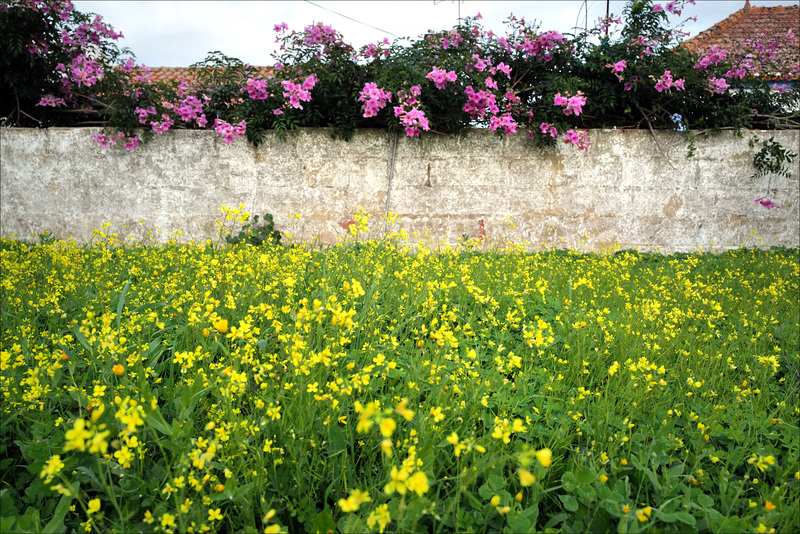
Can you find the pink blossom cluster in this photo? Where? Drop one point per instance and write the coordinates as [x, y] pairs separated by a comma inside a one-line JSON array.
[[666, 83], [482, 64], [629, 85], [256, 89], [53, 101], [229, 131], [542, 46], [548, 129], [440, 77], [411, 117], [159, 127], [191, 109], [504, 121], [606, 22], [83, 71], [579, 138], [572, 105], [767, 203], [717, 85], [64, 7], [143, 113], [374, 98], [319, 34], [617, 68], [479, 103], [712, 57], [674, 7], [297, 93], [451, 39], [371, 50], [105, 142]]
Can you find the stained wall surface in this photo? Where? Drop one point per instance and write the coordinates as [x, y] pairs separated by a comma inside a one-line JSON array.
[[633, 188]]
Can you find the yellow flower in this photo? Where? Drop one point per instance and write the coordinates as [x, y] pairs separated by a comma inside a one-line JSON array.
[[418, 482], [387, 427], [94, 506], [118, 369], [644, 513], [77, 436], [545, 457], [769, 506], [381, 516], [495, 500], [354, 501], [51, 467], [221, 326], [403, 410], [397, 482], [624, 461], [167, 520], [219, 488], [437, 414], [214, 515], [626, 509], [525, 477]]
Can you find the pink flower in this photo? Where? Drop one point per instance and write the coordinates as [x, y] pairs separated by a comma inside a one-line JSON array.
[[374, 99], [547, 128], [490, 83], [666, 83], [559, 100], [766, 203], [717, 85], [50, 100], [440, 77], [657, 8], [229, 131], [131, 143], [104, 142]]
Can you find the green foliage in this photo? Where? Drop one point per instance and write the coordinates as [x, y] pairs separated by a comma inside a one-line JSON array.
[[771, 158], [256, 234], [548, 391]]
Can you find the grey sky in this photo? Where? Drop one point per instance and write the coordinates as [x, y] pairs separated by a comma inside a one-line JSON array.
[[179, 33]]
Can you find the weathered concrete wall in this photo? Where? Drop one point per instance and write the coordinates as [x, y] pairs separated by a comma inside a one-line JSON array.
[[632, 188]]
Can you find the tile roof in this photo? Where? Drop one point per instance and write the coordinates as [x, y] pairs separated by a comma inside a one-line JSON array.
[[750, 23], [165, 74]]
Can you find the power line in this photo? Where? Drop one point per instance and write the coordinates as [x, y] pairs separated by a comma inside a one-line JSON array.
[[350, 18]]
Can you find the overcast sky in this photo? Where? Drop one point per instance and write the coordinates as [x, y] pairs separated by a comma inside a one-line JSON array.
[[179, 33]]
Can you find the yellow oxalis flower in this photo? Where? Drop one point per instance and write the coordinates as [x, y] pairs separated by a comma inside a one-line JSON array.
[[545, 457]]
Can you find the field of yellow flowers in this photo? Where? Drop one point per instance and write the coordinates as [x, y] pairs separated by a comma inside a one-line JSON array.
[[383, 386]]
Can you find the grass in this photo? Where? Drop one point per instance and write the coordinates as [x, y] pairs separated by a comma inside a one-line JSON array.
[[379, 386]]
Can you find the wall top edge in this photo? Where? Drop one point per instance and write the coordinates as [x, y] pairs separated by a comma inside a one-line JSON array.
[[485, 131]]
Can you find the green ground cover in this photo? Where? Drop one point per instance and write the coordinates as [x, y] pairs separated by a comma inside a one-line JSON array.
[[379, 386]]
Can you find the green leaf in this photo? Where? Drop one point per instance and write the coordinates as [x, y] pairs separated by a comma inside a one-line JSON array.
[[569, 481], [82, 339], [519, 524], [705, 501], [496, 482], [570, 502], [684, 517], [486, 492], [323, 522], [154, 418], [56, 524], [121, 304], [585, 475]]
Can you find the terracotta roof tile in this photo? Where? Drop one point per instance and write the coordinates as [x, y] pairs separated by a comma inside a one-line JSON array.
[[750, 23], [165, 74]]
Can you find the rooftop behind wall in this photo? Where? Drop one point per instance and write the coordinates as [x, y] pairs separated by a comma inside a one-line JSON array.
[[632, 189]]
